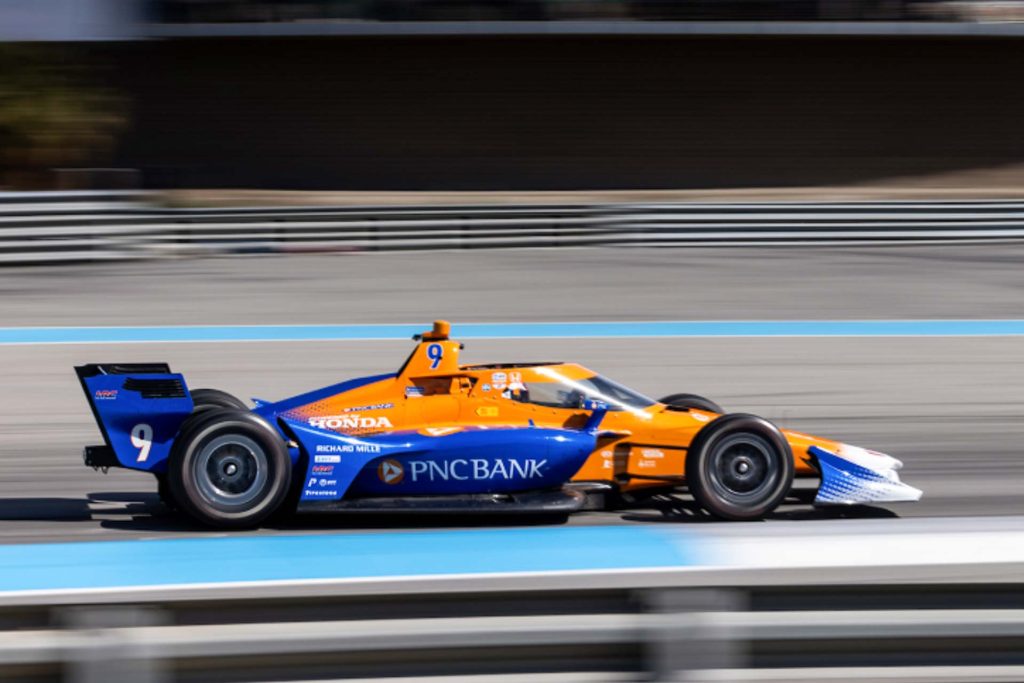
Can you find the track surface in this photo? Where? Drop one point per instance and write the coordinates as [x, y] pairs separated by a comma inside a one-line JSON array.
[[951, 408], [529, 285]]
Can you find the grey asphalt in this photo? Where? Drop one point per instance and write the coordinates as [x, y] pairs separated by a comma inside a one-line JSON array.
[[553, 284], [951, 408]]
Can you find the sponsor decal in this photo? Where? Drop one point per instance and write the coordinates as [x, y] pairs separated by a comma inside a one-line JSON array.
[[413, 392], [363, 409], [333, 459], [105, 394], [352, 421], [647, 464], [391, 472], [486, 387], [515, 381], [317, 487], [652, 453], [700, 418], [345, 448], [320, 493], [609, 460], [323, 469], [487, 411], [475, 469], [499, 380]]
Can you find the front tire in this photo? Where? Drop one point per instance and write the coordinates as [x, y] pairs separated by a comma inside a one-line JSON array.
[[687, 401], [228, 469], [739, 467]]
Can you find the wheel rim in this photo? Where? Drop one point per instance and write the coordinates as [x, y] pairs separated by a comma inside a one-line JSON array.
[[231, 471], [743, 467]]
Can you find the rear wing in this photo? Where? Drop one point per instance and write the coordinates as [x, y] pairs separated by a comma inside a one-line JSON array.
[[139, 408]]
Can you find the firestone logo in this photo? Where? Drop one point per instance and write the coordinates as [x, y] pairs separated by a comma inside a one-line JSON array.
[[105, 394], [350, 422]]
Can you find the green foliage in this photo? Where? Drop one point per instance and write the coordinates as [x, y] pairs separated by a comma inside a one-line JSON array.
[[52, 113]]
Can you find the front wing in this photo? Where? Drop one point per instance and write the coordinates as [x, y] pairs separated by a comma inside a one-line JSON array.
[[856, 476]]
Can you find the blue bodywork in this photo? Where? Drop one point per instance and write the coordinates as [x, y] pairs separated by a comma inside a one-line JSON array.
[[466, 461], [873, 479], [140, 431], [270, 411], [123, 412], [840, 478]]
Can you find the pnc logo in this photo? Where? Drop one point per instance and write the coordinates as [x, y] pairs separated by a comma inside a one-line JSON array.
[[391, 472]]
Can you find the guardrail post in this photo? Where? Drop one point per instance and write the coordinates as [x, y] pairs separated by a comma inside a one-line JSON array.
[[688, 639], [105, 655]]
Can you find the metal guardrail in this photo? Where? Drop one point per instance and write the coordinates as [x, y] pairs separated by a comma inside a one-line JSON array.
[[86, 227], [919, 600], [179, 13], [736, 633]]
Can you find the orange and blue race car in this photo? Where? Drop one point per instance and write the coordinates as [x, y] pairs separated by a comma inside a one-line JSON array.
[[438, 436]]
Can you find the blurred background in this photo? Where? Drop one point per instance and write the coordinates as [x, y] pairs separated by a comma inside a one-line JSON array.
[[171, 165], [534, 95]]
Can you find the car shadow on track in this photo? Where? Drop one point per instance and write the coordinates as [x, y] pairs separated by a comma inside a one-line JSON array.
[[144, 513], [44, 510], [116, 510], [678, 509]]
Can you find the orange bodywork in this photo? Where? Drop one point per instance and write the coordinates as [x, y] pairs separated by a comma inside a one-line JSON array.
[[638, 447]]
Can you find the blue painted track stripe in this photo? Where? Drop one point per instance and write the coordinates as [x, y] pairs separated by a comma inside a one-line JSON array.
[[97, 565], [526, 330]]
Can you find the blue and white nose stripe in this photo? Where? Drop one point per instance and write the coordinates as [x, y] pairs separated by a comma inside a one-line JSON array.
[[844, 482]]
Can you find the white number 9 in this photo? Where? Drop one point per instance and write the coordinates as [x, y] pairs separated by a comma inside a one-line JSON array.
[[142, 438]]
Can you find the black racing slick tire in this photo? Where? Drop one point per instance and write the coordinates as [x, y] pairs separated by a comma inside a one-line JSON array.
[[163, 491], [228, 469], [687, 401], [739, 467], [205, 399], [202, 401]]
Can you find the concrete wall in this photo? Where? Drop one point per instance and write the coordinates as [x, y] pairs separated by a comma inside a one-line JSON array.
[[566, 112]]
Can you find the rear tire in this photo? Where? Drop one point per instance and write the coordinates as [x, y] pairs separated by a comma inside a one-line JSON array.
[[205, 399], [687, 401], [228, 469], [163, 490], [739, 467]]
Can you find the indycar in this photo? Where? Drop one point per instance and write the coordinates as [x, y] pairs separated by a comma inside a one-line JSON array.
[[437, 436]]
